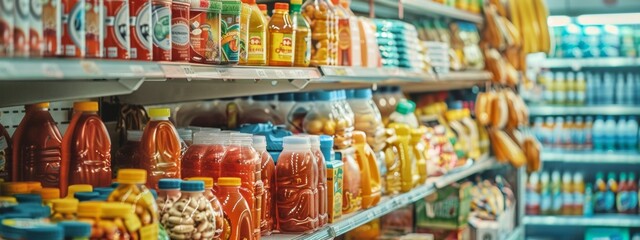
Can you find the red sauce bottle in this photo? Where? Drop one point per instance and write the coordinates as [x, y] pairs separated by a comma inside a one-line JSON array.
[[160, 148], [237, 214], [267, 175]]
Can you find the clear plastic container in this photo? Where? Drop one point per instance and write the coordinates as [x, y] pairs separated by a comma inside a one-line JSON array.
[[297, 114], [322, 179], [368, 118], [326, 118], [132, 190], [120, 219], [296, 183], [245, 15], [283, 107], [218, 214], [262, 110], [168, 194], [64, 209], [267, 176], [321, 16], [237, 213], [192, 216], [161, 148]]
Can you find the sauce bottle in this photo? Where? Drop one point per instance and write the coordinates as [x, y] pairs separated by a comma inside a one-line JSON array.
[[369, 172], [237, 214], [218, 214], [245, 15], [578, 194], [37, 149], [281, 41], [322, 178], [6, 165], [161, 148], [267, 176], [86, 146], [302, 52], [296, 182], [257, 40]]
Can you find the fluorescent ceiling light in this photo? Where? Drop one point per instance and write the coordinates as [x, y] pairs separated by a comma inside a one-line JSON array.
[[558, 21], [602, 19]]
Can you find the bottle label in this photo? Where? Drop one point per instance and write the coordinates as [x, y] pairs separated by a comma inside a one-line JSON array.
[[180, 32], [257, 46], [600, 205], [76, 29], [281, 47], [578, 199], [161, 18], [609, 201], [567, 199], [230, 38], [142, 25]]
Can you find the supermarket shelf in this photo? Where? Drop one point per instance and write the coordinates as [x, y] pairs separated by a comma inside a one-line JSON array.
[[613, 220], [417, 8], [577, 64], [584, 110], [516, 234], [387, 204], [592, 157]]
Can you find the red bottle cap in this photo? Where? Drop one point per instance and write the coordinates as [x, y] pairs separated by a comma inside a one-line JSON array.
[[263, 7], [282, 6]]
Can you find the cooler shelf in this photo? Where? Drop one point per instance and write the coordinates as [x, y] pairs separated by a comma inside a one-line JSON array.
[[578, 63], [545, 110], [613, 220], [592, 157]]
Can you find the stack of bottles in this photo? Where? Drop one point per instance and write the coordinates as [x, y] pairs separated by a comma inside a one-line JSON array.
[[590, 88], [594, 41], [399, 45], [566, 193], [584, 133]]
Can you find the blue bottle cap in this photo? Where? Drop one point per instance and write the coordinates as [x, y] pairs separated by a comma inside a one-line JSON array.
[[85, 196], [103, 190], [192, 186], [75, 229], [363, 93], [169, 183], [35, 210], [154, 193], [28, 198], [265, 97], [349, 93], [114, 185]]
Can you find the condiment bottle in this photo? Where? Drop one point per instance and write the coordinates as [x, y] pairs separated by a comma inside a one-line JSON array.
[[302, 36], [369, 173], [236, 210], [161, 149], [257, 40], [267, 175], [281, 37]]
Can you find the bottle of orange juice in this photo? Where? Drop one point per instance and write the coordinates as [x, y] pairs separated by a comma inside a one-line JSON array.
[[263, 9], [160, 148], [280, 37], [302, 53], [257, 40], [369, 172], [236, 210]]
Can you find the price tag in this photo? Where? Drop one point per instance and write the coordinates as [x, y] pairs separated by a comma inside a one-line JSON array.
[[52, 70], [280, 74], [189, 72], [136, 69], [350, 72], [341, 72], [261, 73]]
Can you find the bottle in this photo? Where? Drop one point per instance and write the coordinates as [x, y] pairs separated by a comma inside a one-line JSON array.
[[241, 160], [267, 176], [322, 15], [532, 204], [621, 134], [580, 88], [579, 133], [245, 15], [622, 196], [6, 164], [86, 146], [257, 41], [598, 132], [237, 213], [631, 134], [548, 139], [538, 129], [610, 195], [578, 194], [369, 172], [131, 190], [608, 89], [632, 189], [37, 149], [567, 133], [295, 208], [570, 86], [218, 214], [295, 117], [556, 193], [620, 89], [281, 37], [560, 95], [610, 134], [558, 133], [588, 208], [161, 148], [168, 194], [194, 157], [263, 9], [262, 110], [591, 91], [407, 172], [549, 90], [419, 151], [316, 142], [600, 188], [567, 194], [302, 36], [284, 106], [588, 133], [349, 52], [629, 93], [325, 117], [192, 193], [405, 114]]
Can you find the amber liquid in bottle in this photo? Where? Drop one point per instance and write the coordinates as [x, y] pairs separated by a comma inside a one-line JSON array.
[[281, 37], [161, 151]]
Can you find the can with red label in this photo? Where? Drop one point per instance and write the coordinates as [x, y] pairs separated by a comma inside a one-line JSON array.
[[73, 30], [204, 28], [21, 28], [35, 28], [161, 31], [51, 28], [116, 42], [94, 30], [180, 30], [6, 27], [140, 26]]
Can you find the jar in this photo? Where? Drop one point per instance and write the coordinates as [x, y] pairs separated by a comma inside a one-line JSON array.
[[74, 230], [325, 118], [168, 193], [64, 209], [218, 214], [191, 217], [120, 220], [90, 212], [295, 117], [132, 190], [321, 17]]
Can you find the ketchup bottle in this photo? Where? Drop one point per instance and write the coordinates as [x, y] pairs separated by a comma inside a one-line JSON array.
[[160, 148]]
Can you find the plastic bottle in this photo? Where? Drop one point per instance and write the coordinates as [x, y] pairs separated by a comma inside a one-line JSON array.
[[295, 117], [609, 134], [218, 214], [257, 40], [419, 150], [599, 96], [245, 15], [567, 133], [631, 134], [558, 133], [567, 194], [570, 86], [610, 195], [349, 49], [236, 210], [201, 218], [302, 36], [579, 134], [37, 149], [6, 164], [161, 148], [538, 129], [548, 139], [532, 204], [132, 186], [406, 172], [316, 145], [193, 159], [242, 161], [620, 89], [556, 193], [404, 114], [622, 196], [630, 87], [588, 133], [263, 9], [588, 208], [267, 176], [600, 188], [580, 88], [86, 146], [608, 89], [621, 134], [284, 106], [549, 90], [632, 188], [326, 117], [281, 37], [295, 205], [560, 95], [369, 172], [168, 194], [578, 194]]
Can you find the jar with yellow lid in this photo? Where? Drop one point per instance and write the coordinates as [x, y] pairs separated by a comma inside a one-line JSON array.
[[64, 209], [120, 220], [132, 190], [73, 189], [90, 212], [12, 188]]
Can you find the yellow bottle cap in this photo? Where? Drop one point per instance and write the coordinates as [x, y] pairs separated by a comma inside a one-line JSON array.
[[39, 105], [66, 205], [5, 199], [208, 182], [229, 181], [33, 185], [72, 189], [11, 188], [159, 112], [89, 209], [114, 209], [85, 106], [48, 193], [132, 176]]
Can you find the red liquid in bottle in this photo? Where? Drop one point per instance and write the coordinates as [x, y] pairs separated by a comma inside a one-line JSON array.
[[323, 216], [5, 155], [296, 183], [160, 148], [237, 214], [267, 175], [86, 146], [129, 155], [37, 146]]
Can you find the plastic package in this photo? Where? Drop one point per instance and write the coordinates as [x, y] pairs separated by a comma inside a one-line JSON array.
[[295, 117], [325, 118], [236, 210], [369, 172], [205, 32], [168, 194], [64, 209], [321, 202], [161, 148], [218, 214], [321, 16], [132, 190], [191, 217]]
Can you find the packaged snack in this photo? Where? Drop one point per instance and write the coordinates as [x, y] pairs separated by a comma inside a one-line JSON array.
[[161, 29], [230, 30], [191, 217], [369, 172], [180, 31], [141, 29], [281, 41], [132, 190], [302, 50], [321, 17], [218, 214], [236, 210], [94, 28], [368, 118], [64, 209], [117, 30], [161, 148], [168, 194], [73, 28], [204, 30], [335, 175]]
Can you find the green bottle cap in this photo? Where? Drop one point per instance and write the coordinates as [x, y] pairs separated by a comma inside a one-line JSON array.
[[216, 6], [405, 107], [231, 7], [295, 6]]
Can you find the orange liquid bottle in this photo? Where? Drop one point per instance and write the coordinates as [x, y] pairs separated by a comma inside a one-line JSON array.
[[37, 146], [369, 172], [160, 148], [316, 147], [281, 39], [236, 210], [268, 177], [241, 161], [86, 146], [296, 183]]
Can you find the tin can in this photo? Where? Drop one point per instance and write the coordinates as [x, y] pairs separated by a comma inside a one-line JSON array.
[[73, 28], [116, 42], [161, 32], [21, 28], [94, 30], [52, 28], [180, 31], [140, 26], [6, 27], [35, 28], [204, 28]]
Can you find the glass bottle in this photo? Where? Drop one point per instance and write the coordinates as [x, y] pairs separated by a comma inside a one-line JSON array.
[[281, 37], [302, 55]]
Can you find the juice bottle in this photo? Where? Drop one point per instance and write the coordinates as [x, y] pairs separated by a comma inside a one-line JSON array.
[[408, 174], [632, 189], [161, 148], [578, 194], [213, 159], [241, 160], [263, 10], [567, 194], [600, 188], [257, 44], [281, 37], [86, 146], [321, 19], [267, 175], [230, 29], [321, 196], [588, 210], [533, 195], [218, 214], [193, 159], [296, 183], [302, 52], [348, 35], [5, 155], [556, 193], [237, 213], [545, 194], [392, 151], [610, 195], [132, 191], [245, 15], [37, 149], [622, 197], [369, 172]]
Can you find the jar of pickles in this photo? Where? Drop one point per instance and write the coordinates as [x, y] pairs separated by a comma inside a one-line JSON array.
[[324, 118], [324, 26], [132, 190], [64, 209]]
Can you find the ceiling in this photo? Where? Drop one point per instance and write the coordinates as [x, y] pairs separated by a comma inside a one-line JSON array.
[[578, 7]]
